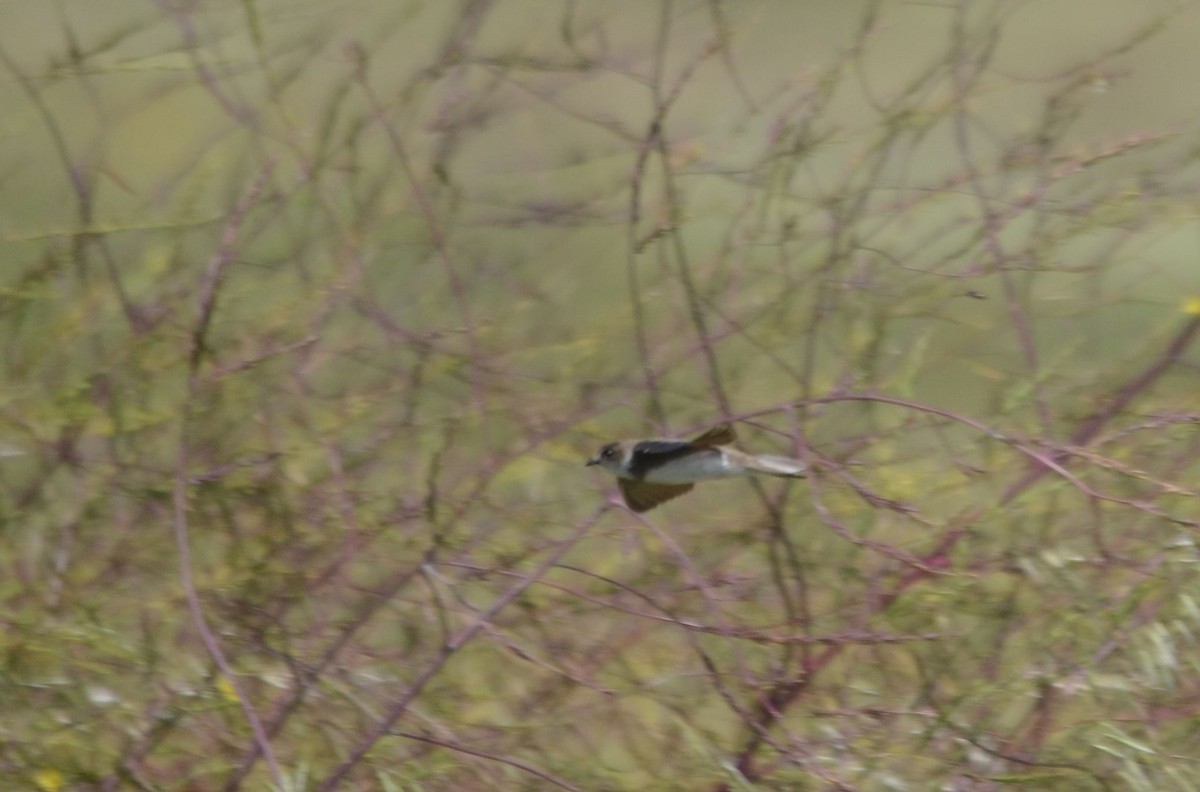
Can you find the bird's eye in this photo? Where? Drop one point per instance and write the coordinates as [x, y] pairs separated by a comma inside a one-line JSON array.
[[608, 453]]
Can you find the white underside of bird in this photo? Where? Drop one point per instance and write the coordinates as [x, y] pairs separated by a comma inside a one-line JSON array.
[[718, 463]]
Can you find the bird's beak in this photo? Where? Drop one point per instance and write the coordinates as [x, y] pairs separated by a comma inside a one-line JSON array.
[[593, 461]]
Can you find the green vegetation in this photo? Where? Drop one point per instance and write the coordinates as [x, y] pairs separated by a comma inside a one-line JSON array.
[[313, 311]]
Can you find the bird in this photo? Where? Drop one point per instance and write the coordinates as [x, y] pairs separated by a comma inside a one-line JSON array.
[[650, 472]]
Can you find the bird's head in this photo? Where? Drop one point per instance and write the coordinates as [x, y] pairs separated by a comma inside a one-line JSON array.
[[611, 457]]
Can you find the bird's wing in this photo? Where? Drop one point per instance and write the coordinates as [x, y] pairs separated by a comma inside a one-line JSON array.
[[717, 436], [649, 454], [664, 448], [642, 496]]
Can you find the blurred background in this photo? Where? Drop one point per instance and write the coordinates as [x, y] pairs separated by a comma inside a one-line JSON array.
[[312, 312]]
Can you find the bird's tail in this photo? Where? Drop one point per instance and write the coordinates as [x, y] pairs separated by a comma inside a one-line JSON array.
[[775, 465]]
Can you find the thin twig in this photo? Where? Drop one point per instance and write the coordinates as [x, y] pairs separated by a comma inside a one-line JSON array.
[[206, 306]]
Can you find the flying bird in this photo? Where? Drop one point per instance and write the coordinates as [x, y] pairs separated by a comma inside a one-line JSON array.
[[650, 472]]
